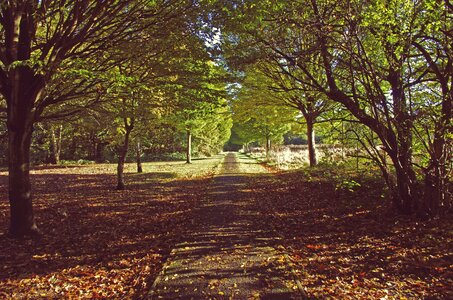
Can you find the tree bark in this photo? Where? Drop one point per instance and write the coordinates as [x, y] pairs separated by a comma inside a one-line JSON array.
[[23, 88], [122, 157], [55, 144], [20, 97], [99, 157], [311, 142], [246, 148], [139, 157], [436, 194], [398, 144], [189, 147], [268, 147], [403, 156], [93, 145], [436, 197], [72, 151], [20, 197], [403, 199]]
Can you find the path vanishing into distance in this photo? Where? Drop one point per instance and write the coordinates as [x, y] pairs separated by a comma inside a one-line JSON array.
[[227, 255]]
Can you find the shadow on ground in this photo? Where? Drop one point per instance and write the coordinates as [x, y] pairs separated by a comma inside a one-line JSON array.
[[104, 243], [350, 243], [96, 236], [227, 253], [99, 242]]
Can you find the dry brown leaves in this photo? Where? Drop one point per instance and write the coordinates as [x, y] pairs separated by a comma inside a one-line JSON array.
[[102, 243], [350, 245], [97, 242]]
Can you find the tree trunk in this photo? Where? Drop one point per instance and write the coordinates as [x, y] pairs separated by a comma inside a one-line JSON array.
[[246, 148], [20, 99], [399, 142], [403, 158], [122, 158], [55, 145], [24, 87], [189, 147], [436, 196], [99, 157], [139, 157], [404, 201], [311, 143], [268, 147], [431, 193], [20, 198], [72, 151], [58, 144]]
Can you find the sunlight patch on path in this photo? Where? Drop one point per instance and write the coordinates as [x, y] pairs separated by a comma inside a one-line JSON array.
[[240, 164]]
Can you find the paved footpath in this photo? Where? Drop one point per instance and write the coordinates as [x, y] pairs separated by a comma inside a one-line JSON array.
[[227, 256]]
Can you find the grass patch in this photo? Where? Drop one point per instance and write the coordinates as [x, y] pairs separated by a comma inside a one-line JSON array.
[[198, 168], [250, 165]]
